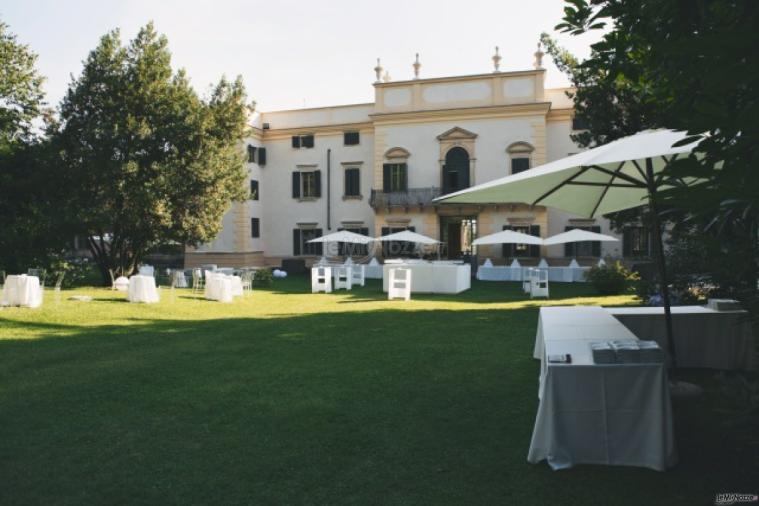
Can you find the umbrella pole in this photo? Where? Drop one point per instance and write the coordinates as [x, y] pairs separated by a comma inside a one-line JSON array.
[[660, 260]]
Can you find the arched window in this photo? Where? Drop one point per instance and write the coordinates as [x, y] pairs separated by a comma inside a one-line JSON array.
[[456, 170], [520, 156]]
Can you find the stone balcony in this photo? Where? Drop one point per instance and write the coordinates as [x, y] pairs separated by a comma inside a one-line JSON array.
[[413, 197]]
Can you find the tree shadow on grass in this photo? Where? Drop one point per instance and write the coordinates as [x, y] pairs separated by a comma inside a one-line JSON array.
[[384, 406]]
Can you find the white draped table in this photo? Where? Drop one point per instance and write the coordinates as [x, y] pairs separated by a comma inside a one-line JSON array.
[[432, 277], [22, 290], [142, 289], [704, 337], [222, 287], [611, 414], [555, 274]]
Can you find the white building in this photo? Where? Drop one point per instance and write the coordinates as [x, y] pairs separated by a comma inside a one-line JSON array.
[[376, 167]]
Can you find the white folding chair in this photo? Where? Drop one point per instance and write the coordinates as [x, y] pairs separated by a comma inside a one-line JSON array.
[[343, 277], [198, 283], [527, 279], [321, 279], [358, 274], [539, 282], [399, 285]]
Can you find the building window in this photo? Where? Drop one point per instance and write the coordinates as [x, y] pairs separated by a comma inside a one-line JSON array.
[[301, 246], [352, 182], [395, 177], [584, 248], [351, 138], [347, 249], [256, 155], [456, 170], [253, 189], [522, 250], [255, 228], [303, 141], [306, 184], [519, 165], [636, 241]]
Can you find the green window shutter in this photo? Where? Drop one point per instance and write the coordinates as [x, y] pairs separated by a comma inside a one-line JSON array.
[[296, 241], [507, 249], [251, 153], [569, 247], [386, 178], [318, 249], [596, 244], [318, 183], [261, 156], [255, 227], [404, 173], [308, 141], [253, 189], [535, 249], [519, 165], [296, 141], [296, 185]]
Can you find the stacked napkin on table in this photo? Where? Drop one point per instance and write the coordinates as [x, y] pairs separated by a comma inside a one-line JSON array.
[[650, 352], [627, 352], [603, 353]]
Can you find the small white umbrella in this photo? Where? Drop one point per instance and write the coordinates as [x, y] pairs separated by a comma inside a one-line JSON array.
[[577, 235], [344, 236], [508, 237], [409, 236], [622, 174]]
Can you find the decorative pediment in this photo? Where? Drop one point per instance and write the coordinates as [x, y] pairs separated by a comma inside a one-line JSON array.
[[397, 152], [520, 147], [455, 134]]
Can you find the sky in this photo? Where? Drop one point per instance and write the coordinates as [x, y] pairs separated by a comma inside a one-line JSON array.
[[294, 54]]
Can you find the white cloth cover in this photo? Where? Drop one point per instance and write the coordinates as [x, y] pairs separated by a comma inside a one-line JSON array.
[[601, 262], [543, 264], [573, 264], [22, 290], [515, 264], [400, 283], [433, 277], [146, 270], [612, 414], [121, 283], [704, 338], [219, 287], [487, 263], [180, 281], [142, 289]]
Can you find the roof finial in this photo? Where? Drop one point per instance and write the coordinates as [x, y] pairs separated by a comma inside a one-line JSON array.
[[378, 71], [386, 78], [539, 58], [496, 61], [417, 66]]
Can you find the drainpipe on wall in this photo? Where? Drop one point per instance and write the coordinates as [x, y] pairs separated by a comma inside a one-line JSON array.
[[329, 187]]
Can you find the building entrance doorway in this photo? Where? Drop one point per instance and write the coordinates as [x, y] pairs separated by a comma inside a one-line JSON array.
[[457, 234]]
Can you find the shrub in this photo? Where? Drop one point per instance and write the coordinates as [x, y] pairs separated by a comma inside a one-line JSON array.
[[612, 279], [263, 277]]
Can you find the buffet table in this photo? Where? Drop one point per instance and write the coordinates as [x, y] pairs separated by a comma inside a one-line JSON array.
[[704, 337], [555, 274], [432, 277], [610, 414]]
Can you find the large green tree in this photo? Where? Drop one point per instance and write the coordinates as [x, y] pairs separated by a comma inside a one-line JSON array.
[[145, 160], [684, 65]]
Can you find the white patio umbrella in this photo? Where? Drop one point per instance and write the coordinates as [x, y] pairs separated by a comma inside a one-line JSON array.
[[622, 174], [577, 235], [344, 236], [409, 236], [508, 237]]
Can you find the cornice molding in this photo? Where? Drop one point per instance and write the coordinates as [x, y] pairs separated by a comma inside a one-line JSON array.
[[472, 77], [462, 113], [319, 130]]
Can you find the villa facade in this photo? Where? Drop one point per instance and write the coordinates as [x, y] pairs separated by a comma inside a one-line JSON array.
[[376, 167]]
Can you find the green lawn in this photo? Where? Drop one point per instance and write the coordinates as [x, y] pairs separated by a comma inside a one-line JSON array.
[[291, 398]]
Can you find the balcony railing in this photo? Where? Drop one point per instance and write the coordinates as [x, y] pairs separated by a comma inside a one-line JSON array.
[[408, 198]]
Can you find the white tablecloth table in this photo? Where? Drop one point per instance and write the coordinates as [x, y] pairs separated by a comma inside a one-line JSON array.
[[222, 287], [616, 414], [142, 289], [555, 274], [704, 337], [22, 290], [433, 277]]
